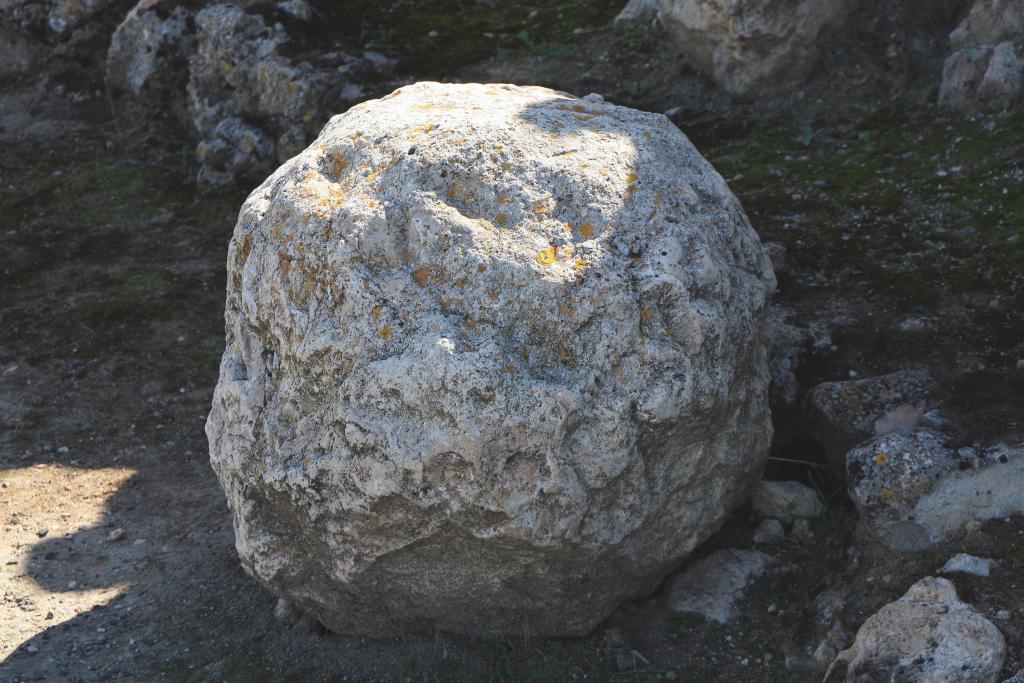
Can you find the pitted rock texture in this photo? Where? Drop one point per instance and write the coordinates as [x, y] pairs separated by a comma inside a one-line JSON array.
[[930, 635], [493, 362], [842, 414], [753, 48], [913, 489]]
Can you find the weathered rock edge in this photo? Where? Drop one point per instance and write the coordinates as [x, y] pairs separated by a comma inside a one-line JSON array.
[[494, 363]]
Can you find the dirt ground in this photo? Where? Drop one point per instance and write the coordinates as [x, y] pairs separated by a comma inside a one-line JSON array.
[[116, 547]]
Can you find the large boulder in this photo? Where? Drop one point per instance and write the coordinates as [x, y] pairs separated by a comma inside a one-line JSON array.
[[753, 48], [930, 635], [493, 362]]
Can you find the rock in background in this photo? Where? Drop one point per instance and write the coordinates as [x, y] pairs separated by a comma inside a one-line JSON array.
[[233, 74], [494, 363], [753, 48], [985, 69]]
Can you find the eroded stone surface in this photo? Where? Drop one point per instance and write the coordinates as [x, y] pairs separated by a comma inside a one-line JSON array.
[[927, 635], [753, 48], [913, 489], [786, 501], [493, 361]]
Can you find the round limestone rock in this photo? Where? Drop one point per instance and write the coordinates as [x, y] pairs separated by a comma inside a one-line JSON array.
[[493, 363]]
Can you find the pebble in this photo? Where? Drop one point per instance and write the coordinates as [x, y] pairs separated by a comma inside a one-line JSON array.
[[42, 532], [770, 531], [4, 483], [962, 563], [1003, 615], [116, 535], [63, 449], [31, 649]]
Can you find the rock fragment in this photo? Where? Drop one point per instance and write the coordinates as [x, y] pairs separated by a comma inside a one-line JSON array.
[[714, 586]]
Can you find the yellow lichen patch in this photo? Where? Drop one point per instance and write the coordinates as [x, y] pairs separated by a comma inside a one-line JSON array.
[[385, 332], [564, 310], [579, 266], [645, 314], [547, 257], [498, 148], [375, 313], [881, 458], [506, 166], [587, 230], [564, 355], [890, 496], [501, 219], [632, 178], [481, 268], [526, 353], [470, 325]]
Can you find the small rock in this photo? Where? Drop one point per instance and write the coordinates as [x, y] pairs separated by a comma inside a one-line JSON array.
[[962, 563], [786, 501], [63, 449], [1002, 615], [770, 531], [42, 532], [927, 635], [801, 530], [714, 585], [72, 585], [31, 649], [49, 615], [843, 414], [912, 489], [116, 535]]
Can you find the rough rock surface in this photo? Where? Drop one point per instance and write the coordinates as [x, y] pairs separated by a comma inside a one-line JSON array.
[[842, 414], [913, 489], [769, 531], [927, 635], [493, 362], [714, 586], [237, 82], [753, 48], [786, 501], [985, 69]]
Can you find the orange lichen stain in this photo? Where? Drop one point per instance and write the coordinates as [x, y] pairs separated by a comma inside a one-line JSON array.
[[881, 458], [553, 136], [470, 325], [502, 198], [645, 314], [460, 141], [580, 265], [492, 295], [338, 165], [385, 332], [498, 148], [422, 275], [564, 355], [481, 268], [540, 207], [587, 230], [501, 219], [461, 282], [547, 257], [375, 313], [578, 108], [511, 369], [452, 193]]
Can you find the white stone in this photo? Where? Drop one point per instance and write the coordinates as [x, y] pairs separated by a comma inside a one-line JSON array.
[[714, 586], [493, 362], [962, 563], [928, 635], [786, 501]]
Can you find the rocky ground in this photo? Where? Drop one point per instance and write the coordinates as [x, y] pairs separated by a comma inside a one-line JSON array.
[[901, 233]]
